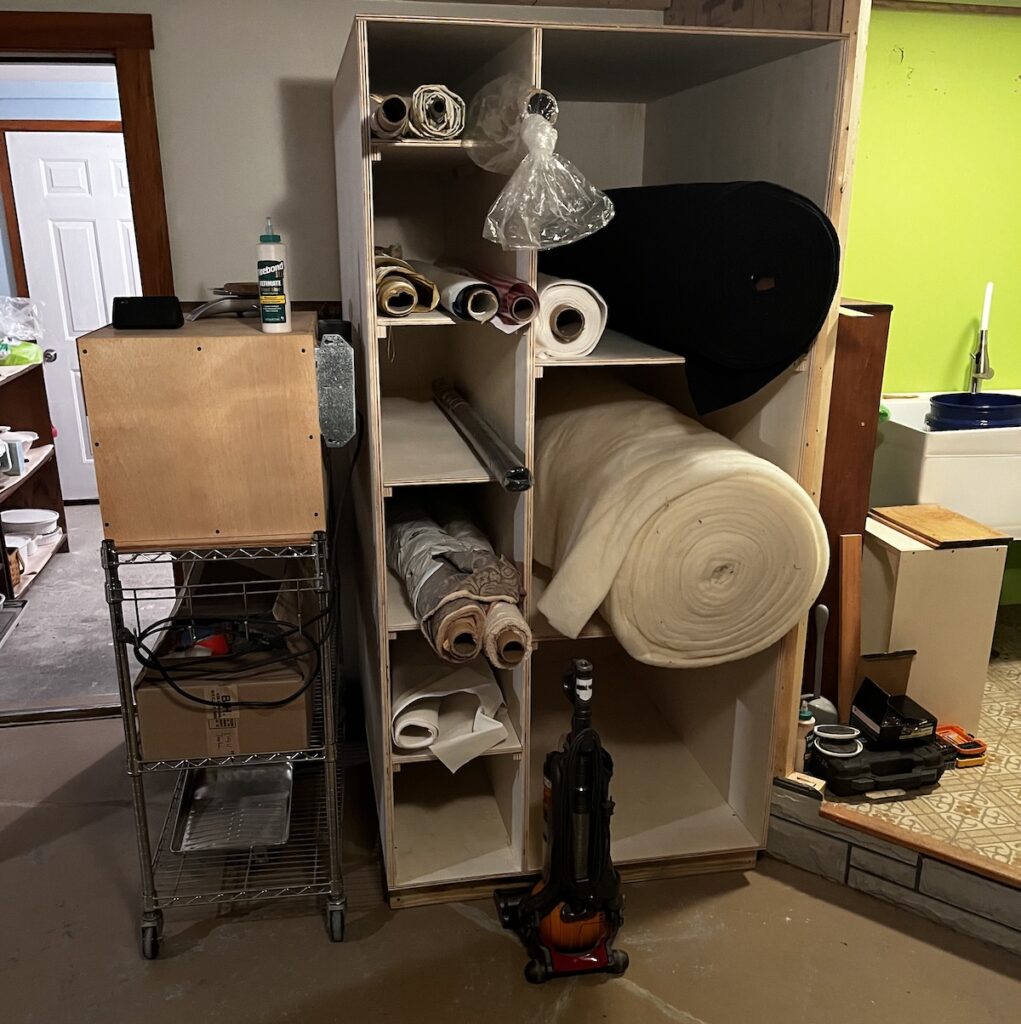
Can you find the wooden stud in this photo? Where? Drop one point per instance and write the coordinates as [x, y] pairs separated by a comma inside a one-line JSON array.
[[849, 636]]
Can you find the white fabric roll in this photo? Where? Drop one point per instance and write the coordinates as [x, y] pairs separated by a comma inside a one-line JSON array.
[[696, 551], [448, 711], [480, 303], [571, 320], [436, 113]]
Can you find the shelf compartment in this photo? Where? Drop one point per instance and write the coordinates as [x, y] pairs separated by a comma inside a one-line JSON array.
[[301, 867], [34, 461], [669, 783], [421, 446], [542, 630], [615, 349], [452, 827]]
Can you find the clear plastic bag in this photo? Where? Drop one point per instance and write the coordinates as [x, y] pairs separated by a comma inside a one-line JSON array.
[[20, 330], [547, 201]]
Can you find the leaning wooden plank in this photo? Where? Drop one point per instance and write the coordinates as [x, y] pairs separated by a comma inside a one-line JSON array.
[[938, 527]]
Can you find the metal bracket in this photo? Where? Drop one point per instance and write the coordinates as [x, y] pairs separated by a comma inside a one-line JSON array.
[[335, 382]]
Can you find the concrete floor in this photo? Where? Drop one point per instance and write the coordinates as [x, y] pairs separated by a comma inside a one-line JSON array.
[[775, 946], [60, 655]]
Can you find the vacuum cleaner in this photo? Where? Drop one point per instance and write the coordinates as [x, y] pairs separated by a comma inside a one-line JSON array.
[[570, 918]]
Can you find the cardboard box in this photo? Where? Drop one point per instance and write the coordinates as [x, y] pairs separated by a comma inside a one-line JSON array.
[[172, 727]]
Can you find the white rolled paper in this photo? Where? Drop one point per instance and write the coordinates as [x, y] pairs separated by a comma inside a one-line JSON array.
[[465, 297], [449, 711], [571, 320], [696, 551]]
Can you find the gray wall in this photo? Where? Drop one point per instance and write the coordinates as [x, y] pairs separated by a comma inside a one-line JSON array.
[[244, 108]]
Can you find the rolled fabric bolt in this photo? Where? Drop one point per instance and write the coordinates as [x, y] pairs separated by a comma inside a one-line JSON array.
[[507, 640], [466, 298], [572, 318], [436, 113], [394, 278], [695, 551], [396, 296], [456, 630], [506, 465], [519, 302], [389, 118]]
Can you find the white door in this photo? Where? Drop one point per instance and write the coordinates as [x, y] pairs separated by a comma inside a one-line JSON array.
[[78, 239]]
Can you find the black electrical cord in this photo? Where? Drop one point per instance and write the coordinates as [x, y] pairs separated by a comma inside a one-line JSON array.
[[192, 668]]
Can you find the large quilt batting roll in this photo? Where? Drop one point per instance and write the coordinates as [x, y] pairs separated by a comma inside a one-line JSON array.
[[737, 277], [696, 551]]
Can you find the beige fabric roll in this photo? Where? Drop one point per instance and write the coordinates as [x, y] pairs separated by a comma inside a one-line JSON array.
[[696, 551], [400, 288], [572, 318], [507, 640], [436, 113]]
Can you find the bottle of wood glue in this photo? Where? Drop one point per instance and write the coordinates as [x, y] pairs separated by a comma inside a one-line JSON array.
[[806, 723], [274, 294]]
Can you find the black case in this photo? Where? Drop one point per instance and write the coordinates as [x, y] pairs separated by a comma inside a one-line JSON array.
[[912, 767], [147, 312]]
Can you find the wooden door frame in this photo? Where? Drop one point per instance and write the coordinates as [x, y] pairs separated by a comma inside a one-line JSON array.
[[7, 183], [128, 40]]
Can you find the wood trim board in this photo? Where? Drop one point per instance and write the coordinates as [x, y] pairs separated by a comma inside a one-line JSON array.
[[46, 31], [938, 527]]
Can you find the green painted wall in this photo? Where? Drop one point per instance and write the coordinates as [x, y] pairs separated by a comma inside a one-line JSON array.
[[936, 204]]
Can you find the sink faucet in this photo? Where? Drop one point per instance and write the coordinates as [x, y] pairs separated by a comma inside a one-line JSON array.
[[980, 369]]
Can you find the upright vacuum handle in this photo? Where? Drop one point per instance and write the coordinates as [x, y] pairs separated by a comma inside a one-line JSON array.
[[578, 688]]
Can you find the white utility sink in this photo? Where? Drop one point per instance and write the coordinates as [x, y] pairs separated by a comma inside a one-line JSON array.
[[974, 472]]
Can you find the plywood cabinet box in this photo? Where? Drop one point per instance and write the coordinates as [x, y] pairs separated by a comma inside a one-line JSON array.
[[205, 436], [940, 602], [695, 751]]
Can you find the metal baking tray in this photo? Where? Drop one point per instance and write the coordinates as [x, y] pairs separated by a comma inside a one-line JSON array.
[[234, 809]]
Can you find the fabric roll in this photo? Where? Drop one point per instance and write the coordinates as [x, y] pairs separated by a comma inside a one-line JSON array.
[[572, 318], [519, 302], [400, 289], [466, 298], [436, 113], [451, 575], [695, 551], [507, 640], [450, 712], [389, 117], [736, 277]]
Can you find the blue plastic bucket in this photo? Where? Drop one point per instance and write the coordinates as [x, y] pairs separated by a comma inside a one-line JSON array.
[[963, 411]]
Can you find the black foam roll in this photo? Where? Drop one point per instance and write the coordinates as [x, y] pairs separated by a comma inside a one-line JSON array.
[[737, 277]]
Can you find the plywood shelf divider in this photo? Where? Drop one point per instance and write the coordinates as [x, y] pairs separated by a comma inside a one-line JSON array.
[[36, 459], [433, 318], [616, 349]]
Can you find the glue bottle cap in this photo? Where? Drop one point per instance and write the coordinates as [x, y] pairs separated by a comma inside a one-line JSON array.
[[270, 235], [805, 713]]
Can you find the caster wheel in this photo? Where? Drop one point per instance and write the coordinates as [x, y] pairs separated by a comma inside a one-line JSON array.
[[150, 942], [335, 925], [536, 973], [618, 962]]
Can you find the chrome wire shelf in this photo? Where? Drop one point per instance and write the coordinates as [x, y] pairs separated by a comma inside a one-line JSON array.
[[301, 867], [213, 554], [146, 604]]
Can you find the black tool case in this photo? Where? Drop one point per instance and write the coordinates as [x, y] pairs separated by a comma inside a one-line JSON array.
[[912, 767]]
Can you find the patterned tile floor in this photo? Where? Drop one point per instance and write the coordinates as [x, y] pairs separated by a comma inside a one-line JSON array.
[[978, 809]]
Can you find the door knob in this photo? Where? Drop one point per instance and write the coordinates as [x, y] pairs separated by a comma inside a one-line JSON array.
[[50, 355]]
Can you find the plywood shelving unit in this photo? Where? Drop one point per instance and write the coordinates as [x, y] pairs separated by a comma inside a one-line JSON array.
[[695, 751]]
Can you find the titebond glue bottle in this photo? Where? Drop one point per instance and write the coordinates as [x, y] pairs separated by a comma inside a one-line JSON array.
[[274, 295]]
